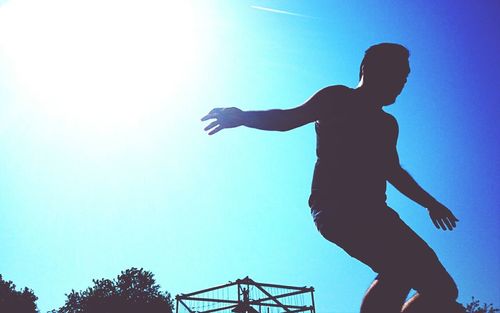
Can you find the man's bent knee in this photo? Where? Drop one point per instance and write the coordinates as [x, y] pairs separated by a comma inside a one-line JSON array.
[[449, 291], [384, 295], [431, 279], [441, 286]]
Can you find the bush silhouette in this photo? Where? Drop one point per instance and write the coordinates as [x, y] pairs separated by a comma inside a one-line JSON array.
[[12, 300], [134, 290], [475, 307]]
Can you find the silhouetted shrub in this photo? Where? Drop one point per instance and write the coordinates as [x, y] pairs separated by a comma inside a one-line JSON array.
[[475, 307], [12, 300], [134, 290]]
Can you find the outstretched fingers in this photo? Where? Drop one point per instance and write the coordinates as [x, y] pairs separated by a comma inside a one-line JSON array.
[[207, 117], [441, 223], [445, 223], [215, 130], [453, 220], [224, 118], [448, 223], [450, 220], [214, 113], [434, 221], [212, 125]]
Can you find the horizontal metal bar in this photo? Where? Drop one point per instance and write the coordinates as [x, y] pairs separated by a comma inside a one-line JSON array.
[[305, 289], [210, 300], [230, 284], [250, 281], [253, 302], [307, 308], [219, 309], [275, 305], [280, 296], [297, 308]]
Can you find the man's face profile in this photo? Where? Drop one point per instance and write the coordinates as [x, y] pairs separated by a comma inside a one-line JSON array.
[[386, 83]]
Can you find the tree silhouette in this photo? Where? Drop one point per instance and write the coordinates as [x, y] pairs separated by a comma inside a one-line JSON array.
[[134, 290], [475, 307], [12, 300]]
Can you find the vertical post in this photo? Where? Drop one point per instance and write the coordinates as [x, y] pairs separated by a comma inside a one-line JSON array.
[[312, 301], [239, 294]]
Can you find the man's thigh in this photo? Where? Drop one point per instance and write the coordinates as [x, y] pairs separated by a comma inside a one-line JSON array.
[[391, 248], [411, 258]]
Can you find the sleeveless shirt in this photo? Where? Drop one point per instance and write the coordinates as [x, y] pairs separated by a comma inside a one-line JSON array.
[[354, 143]]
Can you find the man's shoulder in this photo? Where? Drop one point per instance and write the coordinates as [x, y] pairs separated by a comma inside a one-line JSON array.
[[332, 98], [336, 90]]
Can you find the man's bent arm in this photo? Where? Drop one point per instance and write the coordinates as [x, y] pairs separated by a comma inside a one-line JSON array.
[[440, 215], [407, 185]]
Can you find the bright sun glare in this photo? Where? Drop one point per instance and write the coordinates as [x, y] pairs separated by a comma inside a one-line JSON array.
[[99, 65]]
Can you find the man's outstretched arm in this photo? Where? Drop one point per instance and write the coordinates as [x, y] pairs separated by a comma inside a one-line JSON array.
[[277, 120], [274, 120], [441, 216]]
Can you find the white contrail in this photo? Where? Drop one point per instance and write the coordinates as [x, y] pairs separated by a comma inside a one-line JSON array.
[[278, 11]]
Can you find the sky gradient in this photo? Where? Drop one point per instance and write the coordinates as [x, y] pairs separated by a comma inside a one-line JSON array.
[[105, 164]]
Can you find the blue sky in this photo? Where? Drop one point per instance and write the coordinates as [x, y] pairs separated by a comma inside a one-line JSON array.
[[105, 166]]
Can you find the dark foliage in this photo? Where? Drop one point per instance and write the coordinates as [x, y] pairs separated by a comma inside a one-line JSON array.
[[475, 307], [134, 290], [13, 301]]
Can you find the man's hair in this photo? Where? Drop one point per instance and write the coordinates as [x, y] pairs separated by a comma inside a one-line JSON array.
[[384, 56]]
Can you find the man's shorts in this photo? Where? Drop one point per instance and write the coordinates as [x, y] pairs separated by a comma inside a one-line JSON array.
[[386, 244]]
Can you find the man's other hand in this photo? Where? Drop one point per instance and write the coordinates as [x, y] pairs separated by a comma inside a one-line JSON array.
[[442, 217]]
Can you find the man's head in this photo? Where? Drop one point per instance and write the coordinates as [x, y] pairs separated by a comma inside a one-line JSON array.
[[384, 70]]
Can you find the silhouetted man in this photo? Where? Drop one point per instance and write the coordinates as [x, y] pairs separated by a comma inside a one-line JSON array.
[[356, 150]]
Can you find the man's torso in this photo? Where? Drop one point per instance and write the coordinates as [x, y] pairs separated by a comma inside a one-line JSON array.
[[354, 143]]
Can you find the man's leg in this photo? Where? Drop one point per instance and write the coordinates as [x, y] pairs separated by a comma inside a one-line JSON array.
[[422, 304], [384, 295], [390, 247], [437, 292]]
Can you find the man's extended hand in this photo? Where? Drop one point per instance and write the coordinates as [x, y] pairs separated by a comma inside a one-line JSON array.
[[224, 118], [442, 217]]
